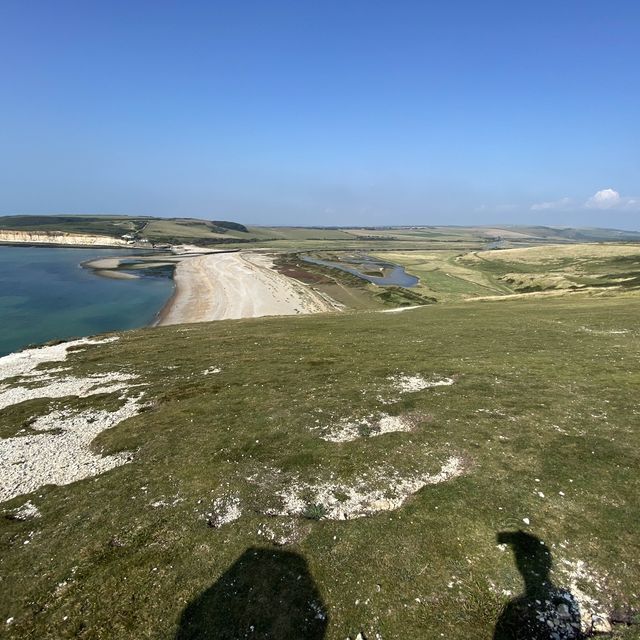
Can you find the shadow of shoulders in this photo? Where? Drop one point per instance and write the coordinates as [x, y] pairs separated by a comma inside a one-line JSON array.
[[266, 593], [543, 611], [553, 615]]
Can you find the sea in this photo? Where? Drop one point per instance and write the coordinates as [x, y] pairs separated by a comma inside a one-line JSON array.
[[46, 295]]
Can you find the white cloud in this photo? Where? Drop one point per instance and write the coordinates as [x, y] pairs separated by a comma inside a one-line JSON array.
[[605, 199], [563, 203]]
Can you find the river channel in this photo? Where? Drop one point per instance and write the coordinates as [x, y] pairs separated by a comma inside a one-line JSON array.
[[397, 275]]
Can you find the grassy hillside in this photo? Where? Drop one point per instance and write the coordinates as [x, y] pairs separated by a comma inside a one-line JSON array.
[[259, 435], [572, 267], [448, 276], [161, 230], [453, 275], [185, 230], [445, 275]]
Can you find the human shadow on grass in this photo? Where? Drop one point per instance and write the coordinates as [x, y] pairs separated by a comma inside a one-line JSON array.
[[543, 611], [266, 593]]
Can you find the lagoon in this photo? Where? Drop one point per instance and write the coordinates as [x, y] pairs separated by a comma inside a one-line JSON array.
[[46, 295]]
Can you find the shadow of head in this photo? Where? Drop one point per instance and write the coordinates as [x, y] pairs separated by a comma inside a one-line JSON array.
[[266, 593], [532, 557], [543, 611]]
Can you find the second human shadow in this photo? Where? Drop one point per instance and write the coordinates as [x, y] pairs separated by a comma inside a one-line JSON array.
[[543, 611]]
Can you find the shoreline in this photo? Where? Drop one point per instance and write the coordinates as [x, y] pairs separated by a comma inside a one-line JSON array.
[[115, 275], [62, 245], [234, 285], [211, 285], [161, 315]]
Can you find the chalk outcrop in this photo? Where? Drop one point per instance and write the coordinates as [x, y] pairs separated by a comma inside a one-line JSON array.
[[56, 447], [59, 237]]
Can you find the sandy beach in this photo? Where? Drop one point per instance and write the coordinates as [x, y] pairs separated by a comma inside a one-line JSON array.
[[225, 286]]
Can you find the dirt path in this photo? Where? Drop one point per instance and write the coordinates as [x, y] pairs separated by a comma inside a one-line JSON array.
[[236, 285]]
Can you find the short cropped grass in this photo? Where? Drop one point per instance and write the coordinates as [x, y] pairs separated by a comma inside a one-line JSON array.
[[545, 401]]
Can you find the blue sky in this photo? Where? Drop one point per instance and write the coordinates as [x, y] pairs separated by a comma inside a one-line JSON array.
[[326, 113]]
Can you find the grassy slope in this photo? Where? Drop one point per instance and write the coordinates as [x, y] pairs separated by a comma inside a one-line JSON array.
[[443, 276], [560, 267], [452, 275], [175, 230], [300, 233], [544, 391]]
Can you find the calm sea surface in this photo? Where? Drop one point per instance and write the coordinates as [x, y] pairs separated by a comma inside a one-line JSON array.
[[46, 295]]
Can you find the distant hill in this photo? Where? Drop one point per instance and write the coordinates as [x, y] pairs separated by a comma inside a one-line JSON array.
[[586, 234], [113, 226], [214, 232], [234, 226], [157, 230]]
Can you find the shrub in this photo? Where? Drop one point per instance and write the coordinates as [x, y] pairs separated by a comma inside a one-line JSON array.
[[315, 511]]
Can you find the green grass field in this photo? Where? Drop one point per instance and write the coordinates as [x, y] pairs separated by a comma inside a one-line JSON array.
[[453, 275], [542, 415]]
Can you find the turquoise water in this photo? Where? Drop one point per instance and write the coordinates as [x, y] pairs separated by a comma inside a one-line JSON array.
[[46, 295]]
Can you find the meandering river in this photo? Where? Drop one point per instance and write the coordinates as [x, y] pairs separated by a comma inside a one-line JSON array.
[[396, 277]]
